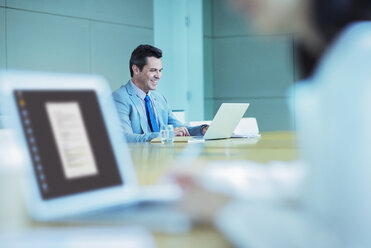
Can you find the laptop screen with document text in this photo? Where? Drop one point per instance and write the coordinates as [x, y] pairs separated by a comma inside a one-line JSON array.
[[67, 140]]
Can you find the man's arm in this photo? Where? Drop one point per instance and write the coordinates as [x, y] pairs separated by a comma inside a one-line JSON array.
[[198, 130], [193, 131], [123, 110]]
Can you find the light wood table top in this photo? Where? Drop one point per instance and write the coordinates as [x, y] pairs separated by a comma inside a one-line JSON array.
[[152, 161]]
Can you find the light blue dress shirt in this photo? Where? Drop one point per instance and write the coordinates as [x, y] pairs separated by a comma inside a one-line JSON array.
[[141, 95]]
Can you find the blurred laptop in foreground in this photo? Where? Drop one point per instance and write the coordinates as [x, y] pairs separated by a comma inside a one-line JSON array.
[[75, 156]]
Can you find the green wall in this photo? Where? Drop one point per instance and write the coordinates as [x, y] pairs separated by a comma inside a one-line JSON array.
[[178, 31], [241, 66], [2, 37], [97, 37], [78, 36]]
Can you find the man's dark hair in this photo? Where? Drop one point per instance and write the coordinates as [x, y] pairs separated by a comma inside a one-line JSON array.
[[330, 17], [140, 54]]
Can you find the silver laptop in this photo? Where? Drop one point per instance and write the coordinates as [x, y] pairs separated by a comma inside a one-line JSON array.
[[226, 120], [76, 157], [222, 127]]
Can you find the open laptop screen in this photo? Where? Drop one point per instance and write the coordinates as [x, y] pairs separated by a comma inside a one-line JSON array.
[[68, 141]]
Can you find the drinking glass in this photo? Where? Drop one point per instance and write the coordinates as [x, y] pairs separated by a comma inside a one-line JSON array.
[[167, 134]]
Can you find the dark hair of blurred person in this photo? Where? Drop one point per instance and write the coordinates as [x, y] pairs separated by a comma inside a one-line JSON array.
[[329, 18]]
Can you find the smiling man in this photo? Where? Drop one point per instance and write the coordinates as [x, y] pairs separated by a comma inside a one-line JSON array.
[[142, 111]]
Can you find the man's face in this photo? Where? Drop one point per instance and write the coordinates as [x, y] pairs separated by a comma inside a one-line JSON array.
[[148, 78]]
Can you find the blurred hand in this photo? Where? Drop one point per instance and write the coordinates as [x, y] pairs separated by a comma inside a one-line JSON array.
[[181, 131], [201, 204]]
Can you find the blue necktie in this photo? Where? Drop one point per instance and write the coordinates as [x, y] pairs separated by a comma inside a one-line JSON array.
[[150, 116]]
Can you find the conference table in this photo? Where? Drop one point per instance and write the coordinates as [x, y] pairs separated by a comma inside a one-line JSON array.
[[153, 160]]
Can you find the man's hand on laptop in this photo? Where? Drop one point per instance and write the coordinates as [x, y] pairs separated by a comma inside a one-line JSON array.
[[204, 129], [181, 131]]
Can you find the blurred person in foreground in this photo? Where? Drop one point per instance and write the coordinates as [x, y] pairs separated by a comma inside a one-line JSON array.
[[323, 200]]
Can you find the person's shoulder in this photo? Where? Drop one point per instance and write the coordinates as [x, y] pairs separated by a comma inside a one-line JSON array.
[[121, 92], [350, 51], [358, 29], [355, 36]]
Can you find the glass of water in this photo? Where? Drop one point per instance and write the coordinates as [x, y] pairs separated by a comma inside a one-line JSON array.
[[167, 134]]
